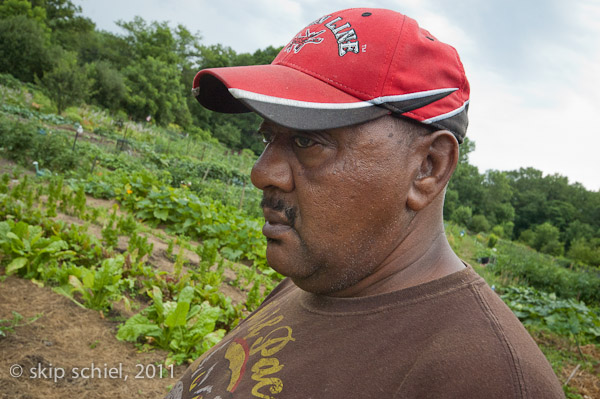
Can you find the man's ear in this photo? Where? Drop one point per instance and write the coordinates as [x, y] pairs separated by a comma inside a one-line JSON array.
[[438, 156]]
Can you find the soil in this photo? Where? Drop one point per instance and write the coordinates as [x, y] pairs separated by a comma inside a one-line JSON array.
[[66, 339], [586, 382], [582, 374]]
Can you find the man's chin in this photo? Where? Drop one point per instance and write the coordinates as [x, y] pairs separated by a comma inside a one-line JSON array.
[[287, 258]]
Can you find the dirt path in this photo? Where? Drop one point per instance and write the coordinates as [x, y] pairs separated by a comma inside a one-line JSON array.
[[69, 338]]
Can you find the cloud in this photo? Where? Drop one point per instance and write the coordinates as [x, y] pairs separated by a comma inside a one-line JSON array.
[[510, 132]]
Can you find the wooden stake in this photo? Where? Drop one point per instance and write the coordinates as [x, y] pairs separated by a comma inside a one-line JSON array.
[[572, 375], [206, 173], [94, 164], [242, 197]]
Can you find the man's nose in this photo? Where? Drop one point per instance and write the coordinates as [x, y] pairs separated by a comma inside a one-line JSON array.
[[272, 169]]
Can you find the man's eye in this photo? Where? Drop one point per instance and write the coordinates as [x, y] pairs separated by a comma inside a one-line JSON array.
[[266, 137], [303, 142]]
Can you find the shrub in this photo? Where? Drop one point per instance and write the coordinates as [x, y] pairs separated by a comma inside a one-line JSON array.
[[545, 273], [24, 142], [462, 215], [479, 223]]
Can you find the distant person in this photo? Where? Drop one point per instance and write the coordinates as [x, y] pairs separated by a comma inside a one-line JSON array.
[[363, 115]]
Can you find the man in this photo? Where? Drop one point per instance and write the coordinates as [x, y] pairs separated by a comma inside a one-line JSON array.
[[363, 114]]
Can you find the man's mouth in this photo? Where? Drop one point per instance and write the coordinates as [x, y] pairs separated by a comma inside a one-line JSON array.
[[276, 224]]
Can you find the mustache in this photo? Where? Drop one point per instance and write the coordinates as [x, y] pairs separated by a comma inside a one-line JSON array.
[[277, 204]]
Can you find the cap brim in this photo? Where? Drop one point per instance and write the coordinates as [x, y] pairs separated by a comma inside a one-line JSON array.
[[283, 95]]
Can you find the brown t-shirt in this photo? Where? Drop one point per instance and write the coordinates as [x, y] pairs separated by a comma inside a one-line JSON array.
[[449, 338]]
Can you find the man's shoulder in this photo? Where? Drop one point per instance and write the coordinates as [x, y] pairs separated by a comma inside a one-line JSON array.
[[478, 348]]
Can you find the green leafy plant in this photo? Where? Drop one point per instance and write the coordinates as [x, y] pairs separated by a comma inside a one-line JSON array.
[[98, 287], [546, 273], [28, 251], [567, 317], [80, 201], [127, 225], [185, 329], [254, 298], [140, 243], [86, 247], [230, 314], [110, 232]]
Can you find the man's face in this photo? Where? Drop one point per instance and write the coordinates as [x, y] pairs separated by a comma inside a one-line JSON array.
[[334, 201]]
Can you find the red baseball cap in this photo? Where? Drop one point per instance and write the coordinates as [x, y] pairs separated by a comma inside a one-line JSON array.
[[346, 68]]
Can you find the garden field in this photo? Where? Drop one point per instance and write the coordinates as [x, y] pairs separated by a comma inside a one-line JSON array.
[[129, 249]]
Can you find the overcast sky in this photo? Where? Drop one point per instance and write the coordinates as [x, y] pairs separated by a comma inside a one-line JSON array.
[[533, 65]]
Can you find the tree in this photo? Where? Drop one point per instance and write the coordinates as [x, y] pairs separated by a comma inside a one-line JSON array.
[[547, 239], [104, 46], [159, 41], [25, 50], [69, 27], [11, 8], [228, 135], [266, 56], [529, 199], [467, 147], [560, 213], [578, 230], [495, 202], [527, 237], [468, 183], [504, 230], [187, 46], [450, 203], [216, 56], [108, 89], [154, 89], [67, 83]]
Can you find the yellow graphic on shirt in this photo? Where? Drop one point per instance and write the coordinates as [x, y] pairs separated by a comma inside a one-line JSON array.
[[237, 354], [260, 370], [273, 342], [268, 337]]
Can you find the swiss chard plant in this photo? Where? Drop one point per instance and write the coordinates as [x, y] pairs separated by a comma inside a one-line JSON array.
[[98, 288], [26, 252], [185, 328]]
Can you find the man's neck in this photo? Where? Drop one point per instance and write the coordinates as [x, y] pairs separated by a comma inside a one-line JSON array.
[[413, 262]]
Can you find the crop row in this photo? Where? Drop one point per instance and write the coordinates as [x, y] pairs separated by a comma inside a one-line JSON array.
[[186, 311]]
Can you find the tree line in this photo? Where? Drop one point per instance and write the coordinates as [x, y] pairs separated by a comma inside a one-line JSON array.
[[547, 213], [147, 71]]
